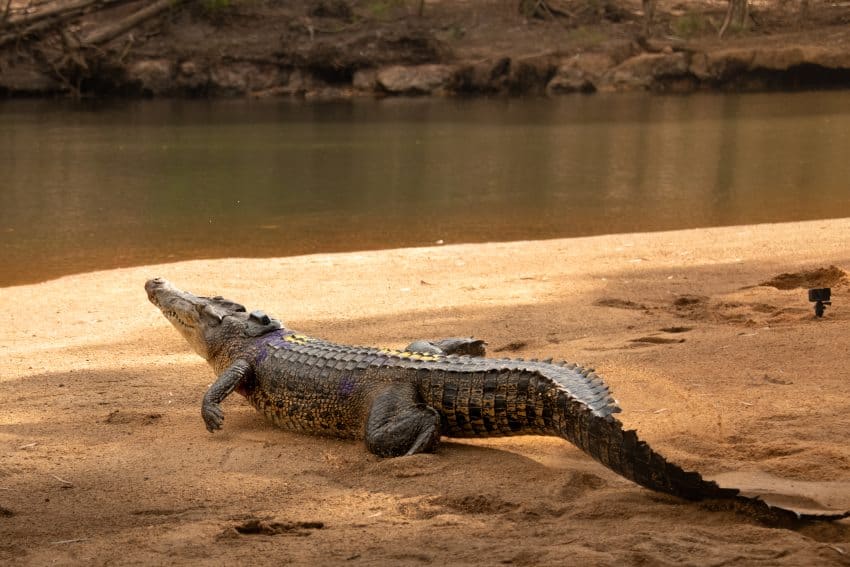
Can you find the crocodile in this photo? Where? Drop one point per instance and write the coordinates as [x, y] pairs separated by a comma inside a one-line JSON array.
[[401, 402]]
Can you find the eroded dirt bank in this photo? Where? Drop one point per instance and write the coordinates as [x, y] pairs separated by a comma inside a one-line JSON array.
[[705, 336], [336, 49]]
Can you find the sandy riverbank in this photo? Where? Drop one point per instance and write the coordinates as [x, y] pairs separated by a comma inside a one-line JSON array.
[[105, 459]]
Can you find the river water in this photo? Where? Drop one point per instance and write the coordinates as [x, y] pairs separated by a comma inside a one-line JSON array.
[[91, 187]]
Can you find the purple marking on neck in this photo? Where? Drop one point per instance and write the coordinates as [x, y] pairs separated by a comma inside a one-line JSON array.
[[272, 341]]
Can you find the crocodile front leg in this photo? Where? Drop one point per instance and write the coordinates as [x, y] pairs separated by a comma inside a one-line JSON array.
[[400, 424], [451, 345], [221, 388]]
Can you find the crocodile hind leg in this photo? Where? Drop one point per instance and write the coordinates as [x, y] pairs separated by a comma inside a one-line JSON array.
[[400, 424], [451, 345]]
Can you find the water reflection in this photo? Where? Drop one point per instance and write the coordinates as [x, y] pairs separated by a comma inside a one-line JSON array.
[[84, 188]]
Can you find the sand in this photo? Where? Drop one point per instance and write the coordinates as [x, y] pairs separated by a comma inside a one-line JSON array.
[[105, 459]]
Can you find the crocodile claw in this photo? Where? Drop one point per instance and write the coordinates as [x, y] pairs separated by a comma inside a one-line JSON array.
[[213, 416]]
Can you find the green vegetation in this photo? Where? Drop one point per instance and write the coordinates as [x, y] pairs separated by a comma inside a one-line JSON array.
[[216, 5], [690, 25], [586, 35], [384, 8]]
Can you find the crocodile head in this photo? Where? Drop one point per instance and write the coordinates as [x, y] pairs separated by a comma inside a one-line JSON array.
[[211, 325]]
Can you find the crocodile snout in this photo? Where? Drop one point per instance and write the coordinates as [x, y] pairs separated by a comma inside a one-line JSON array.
[[152, 285]]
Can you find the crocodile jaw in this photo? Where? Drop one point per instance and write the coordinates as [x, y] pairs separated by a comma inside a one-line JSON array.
[[183, 310]]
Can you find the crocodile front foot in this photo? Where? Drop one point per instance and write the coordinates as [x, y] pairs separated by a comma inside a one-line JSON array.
[[225, 384], [213, 415]]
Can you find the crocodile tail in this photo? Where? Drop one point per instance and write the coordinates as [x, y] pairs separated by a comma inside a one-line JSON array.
[[622, 451]]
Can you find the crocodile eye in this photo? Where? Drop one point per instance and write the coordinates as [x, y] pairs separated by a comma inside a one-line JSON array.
[[232, 305], [218, 298], [209, 314], [260, 317]]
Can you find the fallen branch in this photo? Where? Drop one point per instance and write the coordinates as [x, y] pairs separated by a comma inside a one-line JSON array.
[[56, 9], [34, 29], [37, 23], [62, 480], [110, 32], [64, 541]]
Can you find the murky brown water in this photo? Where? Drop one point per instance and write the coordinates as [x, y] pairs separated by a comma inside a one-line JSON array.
[[143, 182]]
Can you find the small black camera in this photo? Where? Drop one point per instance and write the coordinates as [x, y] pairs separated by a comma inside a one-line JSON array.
[[820, 297]]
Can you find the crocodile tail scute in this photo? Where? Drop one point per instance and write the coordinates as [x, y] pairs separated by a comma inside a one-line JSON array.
[[604, 439], [622, 451]]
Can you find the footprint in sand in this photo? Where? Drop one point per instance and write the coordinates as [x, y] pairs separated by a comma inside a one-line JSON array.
[[701, 308], [476, 504], [653, 340], [832, 276], [264, 526], [659, 340], [511, 347], [619, 303], [427, 508], [690, 303], [676, 329], [580, 483], [118, 417]]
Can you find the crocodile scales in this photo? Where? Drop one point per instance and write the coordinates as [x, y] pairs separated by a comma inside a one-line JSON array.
[[400, 402]]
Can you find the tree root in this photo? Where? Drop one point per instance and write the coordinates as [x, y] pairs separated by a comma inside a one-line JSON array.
[[110, 32], [55, 9], [34, 25]]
